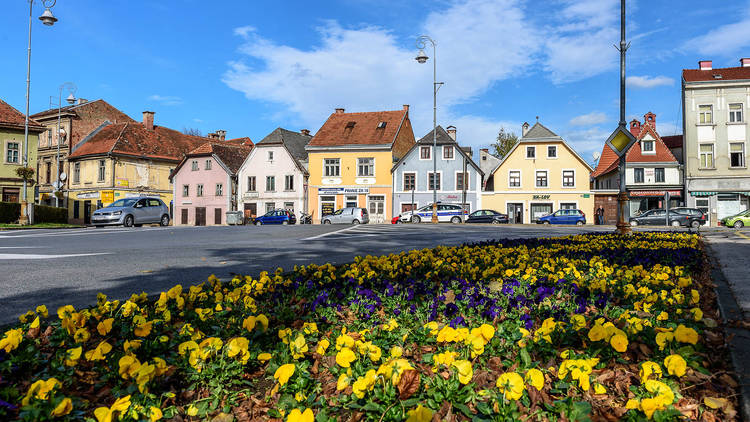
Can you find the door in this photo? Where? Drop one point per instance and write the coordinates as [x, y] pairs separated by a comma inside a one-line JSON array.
[[407, 207], [327, 206], [217, 216], [200, 216], [657, 218], [251, 210], [377, 208], [86, 212], [154, 210], [515, 213], [140, 211], [184, 217]]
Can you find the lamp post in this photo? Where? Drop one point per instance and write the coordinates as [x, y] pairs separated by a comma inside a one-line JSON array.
[[623, 227], [422, 41], [70, 100], [48, 19]]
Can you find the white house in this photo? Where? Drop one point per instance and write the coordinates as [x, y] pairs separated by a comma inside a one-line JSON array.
[[274, 175]]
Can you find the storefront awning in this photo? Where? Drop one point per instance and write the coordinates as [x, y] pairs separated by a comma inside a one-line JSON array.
[[702, 193]]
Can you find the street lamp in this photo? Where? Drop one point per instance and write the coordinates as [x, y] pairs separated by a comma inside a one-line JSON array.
[[422, 57], [47, 19], [72, 88]]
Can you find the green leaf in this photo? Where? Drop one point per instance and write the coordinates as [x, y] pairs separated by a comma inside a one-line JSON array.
[[373, 407], [581, 411], [484, 408]]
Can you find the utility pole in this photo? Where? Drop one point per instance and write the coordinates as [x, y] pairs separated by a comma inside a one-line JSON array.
[[623, 227]]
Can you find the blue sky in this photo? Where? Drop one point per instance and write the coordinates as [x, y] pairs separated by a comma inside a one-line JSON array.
[[249, 67]]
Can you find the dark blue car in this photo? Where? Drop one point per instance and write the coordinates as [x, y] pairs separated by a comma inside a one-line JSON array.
[[576, 217], [276, 217]]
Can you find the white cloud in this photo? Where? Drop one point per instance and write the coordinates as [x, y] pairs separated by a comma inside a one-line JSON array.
[[726, 40], [646, 82], [587, 141], [166, 100], [590, 119]]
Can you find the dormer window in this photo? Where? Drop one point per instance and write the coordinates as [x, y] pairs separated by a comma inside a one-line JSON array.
[[381, 125], [350, 125], [647, 146]]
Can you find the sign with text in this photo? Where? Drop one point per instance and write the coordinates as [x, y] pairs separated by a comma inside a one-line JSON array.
[[640, 193], [339, 191], [108, 196], [540, 197]]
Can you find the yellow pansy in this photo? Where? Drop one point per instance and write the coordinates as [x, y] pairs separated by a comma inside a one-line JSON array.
[[465, 371], [675, 365], [511, 385], [284, 373], [105, 326], [238, 346], [685, 334], [419, 414], [154, 414], [322, 346], [345, 357], [535, 378], [298, 416], [264, 357], [63, 408], [72, 356], [99, 352], [597, 333], [619, 342]]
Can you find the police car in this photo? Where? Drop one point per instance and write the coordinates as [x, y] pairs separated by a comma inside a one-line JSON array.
[[447, 213]]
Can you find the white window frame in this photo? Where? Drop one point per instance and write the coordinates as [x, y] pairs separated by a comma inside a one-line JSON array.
[[219, 189], [452, 150], [272, 180], [7, 150], [101, 171], [733, 118], [289, 183], [371, 166], [664, 174], [254, 183], [77, 172], [425, 148], [207, 165], [548, 156], [440, 184], [743, 163], [467, 181], [336, 166], [520, 178], [270, 155], [194, 165], [701, 154], [635, 179], [185, 191], [702, 114], [530, 148], [562, 179], [199, 190], [651, 151], [546, 174], [403, 181]]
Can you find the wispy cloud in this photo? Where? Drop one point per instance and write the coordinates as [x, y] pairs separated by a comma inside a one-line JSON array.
[[645, 82], [725, 40], [166, 100], [590, 119]]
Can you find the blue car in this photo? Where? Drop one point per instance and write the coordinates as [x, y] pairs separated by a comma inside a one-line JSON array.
[[276, 217], [576, 217]]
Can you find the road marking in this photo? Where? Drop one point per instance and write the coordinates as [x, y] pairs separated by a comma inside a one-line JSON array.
[[81, 233], [740, 234], [37, 256], [320, 236]]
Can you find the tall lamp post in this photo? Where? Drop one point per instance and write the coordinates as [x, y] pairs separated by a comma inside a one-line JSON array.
[[48, 19], [72, 88], [422, 41]]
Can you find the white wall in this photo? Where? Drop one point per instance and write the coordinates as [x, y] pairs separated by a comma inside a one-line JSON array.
[[258, 165]]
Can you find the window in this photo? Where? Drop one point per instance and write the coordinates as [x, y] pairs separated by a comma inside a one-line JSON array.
[[448, 152], [251, 183], [737, 154], [365, 167], [706, 156], [424, 153], [659, 175], [195, 165], [289, 182], [541, 178], [48, 171], [514, 179], [270, 155], [12, 152], [76, 172], [410, 181], [569, 178], [382, 125], [462, 181], [647, 146], [434, 181], [270, 183], [332, 167], [270, 206], [552, 151], [735, 113], [705, 114], [185, 191], [208, 164], [219, 189], [289, 206], [530, 152], [199, 190], [102, 168], [638, 175]]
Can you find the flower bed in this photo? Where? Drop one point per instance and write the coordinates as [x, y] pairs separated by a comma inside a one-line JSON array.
[[592, 326]]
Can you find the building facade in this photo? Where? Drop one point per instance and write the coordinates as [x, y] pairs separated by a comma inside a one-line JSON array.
[[653, 174], [350, 161], [541, 174], [274, 175], [12, 124], [205, 183], [458, 180], [714, 105]]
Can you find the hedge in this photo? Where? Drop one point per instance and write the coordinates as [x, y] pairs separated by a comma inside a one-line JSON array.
[[45, 214], [10, 212]]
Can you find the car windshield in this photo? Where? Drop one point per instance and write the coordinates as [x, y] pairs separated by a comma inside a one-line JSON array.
[[745, 213], [338, 212], [125, 202]]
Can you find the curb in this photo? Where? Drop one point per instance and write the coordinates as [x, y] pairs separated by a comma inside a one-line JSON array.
[[39, 228], [739, 338]]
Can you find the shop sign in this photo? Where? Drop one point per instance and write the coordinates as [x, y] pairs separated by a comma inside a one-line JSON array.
[[250, 195], [537, 197], [449, 197], [339, 191], [327, 208], [108, 196], [641, 193], [88, 195], [123, 183], [586, 195]]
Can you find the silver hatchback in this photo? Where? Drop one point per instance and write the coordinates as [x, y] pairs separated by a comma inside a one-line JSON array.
[[132, 212], [348, 215]]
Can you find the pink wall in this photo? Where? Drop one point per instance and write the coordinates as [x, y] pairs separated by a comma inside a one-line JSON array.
[[209, 200]]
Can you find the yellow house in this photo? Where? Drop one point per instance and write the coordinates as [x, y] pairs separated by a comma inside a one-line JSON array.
[[540, 175], [125, 159], [350, 160]]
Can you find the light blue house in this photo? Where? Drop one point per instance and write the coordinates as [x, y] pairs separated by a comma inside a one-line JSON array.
[[459, 178]]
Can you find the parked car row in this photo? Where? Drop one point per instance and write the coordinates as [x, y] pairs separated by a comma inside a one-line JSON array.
[[737, 221], [685, 217]]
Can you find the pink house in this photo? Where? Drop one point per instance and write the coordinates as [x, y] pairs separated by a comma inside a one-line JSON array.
[[205, 182]]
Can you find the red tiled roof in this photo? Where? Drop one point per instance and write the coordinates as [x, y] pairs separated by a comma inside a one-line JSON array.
[[9, 116], [338, 129], [727, 74], [134, 139], [246, 141], [233, 155], [608, 161]]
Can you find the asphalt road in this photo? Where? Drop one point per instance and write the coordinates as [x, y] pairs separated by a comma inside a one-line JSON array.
[[58, 267], [731, 248]]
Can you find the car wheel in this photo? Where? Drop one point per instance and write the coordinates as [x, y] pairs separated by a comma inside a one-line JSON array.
[[738, 224], [579, 223], [284, 223], [495, 221], [633, 223], [164, 220], [326, 221], [128, 222], [695, 224], [546, 222], [258, 223], [416, 219], [675, 224], [456, 220], [355, 222]]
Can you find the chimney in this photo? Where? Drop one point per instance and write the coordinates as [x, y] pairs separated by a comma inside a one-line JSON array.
[[339, 111], [635, 127], [305, 132], [524, 129], [221, 134], [406, 107], [80, 101], [650, 118], [148, 119], [451, 132], [485, 150], [745, 62], [705, 65]]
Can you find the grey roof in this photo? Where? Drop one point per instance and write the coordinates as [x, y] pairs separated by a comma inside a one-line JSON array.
[[442, 138], [489, 164], [540, 131], [294, 141]]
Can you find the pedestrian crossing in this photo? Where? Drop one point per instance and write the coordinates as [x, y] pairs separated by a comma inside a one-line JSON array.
[[376, 230]]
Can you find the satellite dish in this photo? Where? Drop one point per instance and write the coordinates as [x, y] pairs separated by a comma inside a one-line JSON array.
[[63, 176], [596, 156]]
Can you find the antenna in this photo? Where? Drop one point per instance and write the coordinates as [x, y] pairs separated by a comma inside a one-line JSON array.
[[596, 155]]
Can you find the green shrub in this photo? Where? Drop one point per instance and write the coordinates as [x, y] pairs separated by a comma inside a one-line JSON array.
[[45, 214], [10, 212]]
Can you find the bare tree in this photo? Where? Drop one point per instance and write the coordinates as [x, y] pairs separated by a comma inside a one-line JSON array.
[[504, 143], [192, 131]]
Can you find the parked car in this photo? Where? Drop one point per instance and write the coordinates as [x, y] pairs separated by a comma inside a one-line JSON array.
[[738, 220], [658, 218], [276, 217], [696, 217], [132, 212], [487, 216], [446, 213], [576, 217], [349, 215], [396, 220]]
